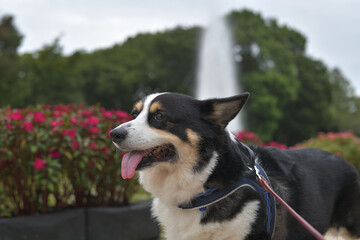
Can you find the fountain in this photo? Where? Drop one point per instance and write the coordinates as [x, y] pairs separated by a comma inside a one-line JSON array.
[[216, 76]]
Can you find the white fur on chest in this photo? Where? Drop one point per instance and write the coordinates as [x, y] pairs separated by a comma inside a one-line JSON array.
[[183, 224], [172, 185]]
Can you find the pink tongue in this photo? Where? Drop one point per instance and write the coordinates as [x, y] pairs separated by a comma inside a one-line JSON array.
[[129, 163]]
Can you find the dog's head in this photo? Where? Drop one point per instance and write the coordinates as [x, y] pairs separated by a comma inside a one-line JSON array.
[[172, 129]]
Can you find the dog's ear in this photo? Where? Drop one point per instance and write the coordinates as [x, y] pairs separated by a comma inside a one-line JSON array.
[[223, 110]]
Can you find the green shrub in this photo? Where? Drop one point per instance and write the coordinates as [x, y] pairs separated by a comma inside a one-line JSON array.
[[54, 157], [344, 144]]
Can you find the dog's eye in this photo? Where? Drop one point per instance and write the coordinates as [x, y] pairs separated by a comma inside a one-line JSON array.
[[159, 116], [134, 114]]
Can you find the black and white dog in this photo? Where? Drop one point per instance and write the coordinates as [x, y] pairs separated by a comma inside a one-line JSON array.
[[192, 165]]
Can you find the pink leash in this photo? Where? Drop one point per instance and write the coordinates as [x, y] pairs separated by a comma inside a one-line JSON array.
[[262, 181]]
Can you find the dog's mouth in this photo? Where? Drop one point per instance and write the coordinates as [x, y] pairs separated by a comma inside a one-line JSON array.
[[138, 160]]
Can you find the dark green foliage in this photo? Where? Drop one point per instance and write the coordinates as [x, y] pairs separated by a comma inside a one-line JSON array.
[[143, 64], [10, 40], [51, 76], [292, 95]]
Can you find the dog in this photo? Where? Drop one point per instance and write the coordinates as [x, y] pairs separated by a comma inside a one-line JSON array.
[[186, 159]]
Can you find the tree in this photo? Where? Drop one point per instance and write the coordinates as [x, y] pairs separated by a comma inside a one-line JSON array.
[[345, 105], [10, 40], [143, 64], [268, 68], [311, 111], [293, 95], [51, 77]]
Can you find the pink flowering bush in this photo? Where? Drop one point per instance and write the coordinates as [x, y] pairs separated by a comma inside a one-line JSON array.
[[54, 157], [344, 144], [251, 138]]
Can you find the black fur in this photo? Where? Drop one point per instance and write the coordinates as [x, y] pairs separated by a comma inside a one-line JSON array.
[[323, 188]]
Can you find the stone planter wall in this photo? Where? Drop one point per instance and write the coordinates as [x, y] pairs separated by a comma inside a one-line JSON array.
[[106, 223]]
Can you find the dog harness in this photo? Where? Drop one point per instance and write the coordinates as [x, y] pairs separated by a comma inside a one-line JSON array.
[[213, 195]]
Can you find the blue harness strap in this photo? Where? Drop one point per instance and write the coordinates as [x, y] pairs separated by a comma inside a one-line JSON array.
[[270, 203], [213, 195]]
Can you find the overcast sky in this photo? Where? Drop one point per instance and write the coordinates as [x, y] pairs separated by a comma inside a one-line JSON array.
[[332, 27]]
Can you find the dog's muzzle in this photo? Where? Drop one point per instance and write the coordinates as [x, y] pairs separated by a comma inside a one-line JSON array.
[[118, 135]]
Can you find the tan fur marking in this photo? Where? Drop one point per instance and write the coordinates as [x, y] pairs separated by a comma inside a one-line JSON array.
[[169, 125], [340, 234], [139, 106], [187, 151], [192, 136], [221, 109], [155, 106], [158, 177]]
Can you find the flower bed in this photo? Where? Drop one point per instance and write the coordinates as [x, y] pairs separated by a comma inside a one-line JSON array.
[[54, 157], [344, 144], [251, 138]]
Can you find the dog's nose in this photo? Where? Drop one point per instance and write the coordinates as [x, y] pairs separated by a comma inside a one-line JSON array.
[[118, 134]]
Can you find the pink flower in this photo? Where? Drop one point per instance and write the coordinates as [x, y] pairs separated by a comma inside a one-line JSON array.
[[122, 115], [39, 163], [55, 123], [320, 135], [90, 164], [107, 114], [57, 113], [75, 144], [73, 120], [55, 154], [246, 135], [71, 132], [347, 134], [106, 149], [240, 136], [9, 126], [282, 146], [94, 130], [39, 117], [83, 124], [86, 113], [93, 120], [16, 115], [331, 135], [66, 108], [28, 126], [250, 135], [58, 107], [109, 130], [93, 145], [275, 144]]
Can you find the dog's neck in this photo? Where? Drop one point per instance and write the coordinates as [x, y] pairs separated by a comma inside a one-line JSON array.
[[174, 185], [234, 160]]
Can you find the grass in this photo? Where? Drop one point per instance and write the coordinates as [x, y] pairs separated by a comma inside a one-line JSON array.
[[141, 195]]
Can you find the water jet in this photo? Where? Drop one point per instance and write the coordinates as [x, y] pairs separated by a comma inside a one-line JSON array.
[[216, 75]]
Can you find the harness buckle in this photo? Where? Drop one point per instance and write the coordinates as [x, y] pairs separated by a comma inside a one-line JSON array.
[[257, 172]]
